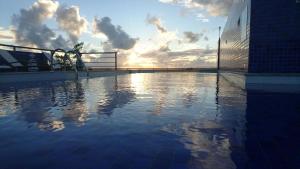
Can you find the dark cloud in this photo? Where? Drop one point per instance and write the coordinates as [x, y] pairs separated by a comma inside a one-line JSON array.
[[115, 34], [153, 20], [29, 27], [60, 43], [192, 37], [206, 38], [69, 19]]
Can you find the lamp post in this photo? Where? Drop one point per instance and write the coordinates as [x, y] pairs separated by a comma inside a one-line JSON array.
[[219, 46]]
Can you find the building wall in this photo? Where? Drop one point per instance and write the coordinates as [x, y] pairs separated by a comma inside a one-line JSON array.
[[275, 36], [270, 41], [235, 38]]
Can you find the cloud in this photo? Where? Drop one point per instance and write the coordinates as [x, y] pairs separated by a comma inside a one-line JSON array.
[[215, 7], [164, 48], [30, 29], [186, 58], [202, 18], [6, 34], [212, 7], [69, 19], [60, 43], [115, 34], [169, 50], [153, 20], [192, 37]]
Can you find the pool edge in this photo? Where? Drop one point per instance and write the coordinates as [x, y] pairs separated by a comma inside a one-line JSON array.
[[271, 82]]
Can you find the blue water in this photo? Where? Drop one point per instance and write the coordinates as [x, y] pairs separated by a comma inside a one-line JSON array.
[[147, 121]]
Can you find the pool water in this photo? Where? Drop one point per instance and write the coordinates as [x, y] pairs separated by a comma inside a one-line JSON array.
[[147, 121]]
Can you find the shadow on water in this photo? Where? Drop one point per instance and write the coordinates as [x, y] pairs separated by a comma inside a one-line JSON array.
[[271, 136]]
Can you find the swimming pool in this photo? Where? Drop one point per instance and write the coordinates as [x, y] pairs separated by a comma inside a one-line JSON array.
[[146, 121]]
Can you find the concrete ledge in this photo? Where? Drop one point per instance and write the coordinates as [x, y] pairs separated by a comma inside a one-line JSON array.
[[273, 82], [282, 79], [267, 82], [13, 77], [35, 76]]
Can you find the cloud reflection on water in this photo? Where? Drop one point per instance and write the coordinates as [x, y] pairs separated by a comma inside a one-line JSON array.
[[182, 105]]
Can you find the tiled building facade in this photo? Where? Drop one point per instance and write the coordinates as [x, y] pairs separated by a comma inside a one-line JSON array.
[[262, 37]]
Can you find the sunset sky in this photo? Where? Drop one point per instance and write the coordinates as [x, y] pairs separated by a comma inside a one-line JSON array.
[[146, 33]]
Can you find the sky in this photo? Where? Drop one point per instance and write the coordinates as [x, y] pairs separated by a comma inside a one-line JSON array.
[[146, 33]]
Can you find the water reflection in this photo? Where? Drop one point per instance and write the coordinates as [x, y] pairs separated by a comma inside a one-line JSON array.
[[116, 99], [48, 105], [51, 126], [208, 142], [216, 139], [166, 120], [231, 107]]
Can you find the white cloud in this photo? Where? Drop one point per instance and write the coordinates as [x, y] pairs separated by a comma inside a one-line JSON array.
[[30, 29], [6, 34], [69, 19], [167, 49], [212, 7], [202, 18], [163, 50], [184, 58]]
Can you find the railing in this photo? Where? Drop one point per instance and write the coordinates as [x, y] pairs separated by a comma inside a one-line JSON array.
[[111, 64], [102, 62], [24, 47]]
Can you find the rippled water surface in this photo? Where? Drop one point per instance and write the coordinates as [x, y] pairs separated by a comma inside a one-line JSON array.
[[134, 121]]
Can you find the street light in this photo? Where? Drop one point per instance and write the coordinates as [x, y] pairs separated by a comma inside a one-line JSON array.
[[219, 46]]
